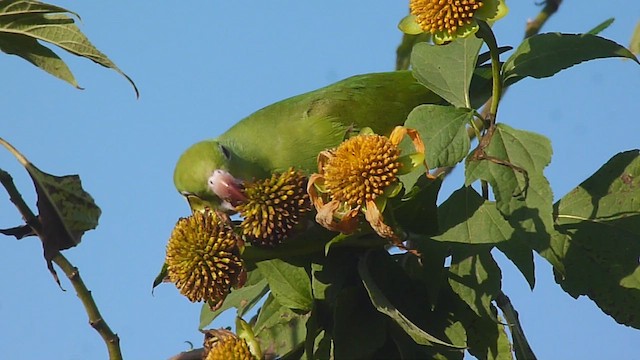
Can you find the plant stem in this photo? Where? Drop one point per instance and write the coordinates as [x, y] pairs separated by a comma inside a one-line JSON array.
[[95, 318], [533, 27], [490, 39]]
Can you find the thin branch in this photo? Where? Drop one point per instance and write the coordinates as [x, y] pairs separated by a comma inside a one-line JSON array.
[[95, 319], [195, 354], [16, 198], [533, 26]]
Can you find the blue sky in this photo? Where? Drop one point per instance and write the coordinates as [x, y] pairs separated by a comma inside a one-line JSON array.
[[200, 67]]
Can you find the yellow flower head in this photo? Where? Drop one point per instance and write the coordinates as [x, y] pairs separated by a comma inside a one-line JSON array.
[[358, 176], [203, 257], [224, 345], [274, 207], [449, 19]]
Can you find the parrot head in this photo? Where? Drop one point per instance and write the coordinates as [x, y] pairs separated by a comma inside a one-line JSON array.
[[202, 175]]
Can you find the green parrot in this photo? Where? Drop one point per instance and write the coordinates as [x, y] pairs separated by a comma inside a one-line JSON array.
[[292, 132]]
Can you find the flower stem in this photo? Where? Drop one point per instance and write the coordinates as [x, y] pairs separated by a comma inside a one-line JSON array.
[[489, 38]]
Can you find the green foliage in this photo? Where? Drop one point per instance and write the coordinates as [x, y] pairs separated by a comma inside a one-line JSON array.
[[65, 210], [456, 60], [601, 224], [438, 293], [543, 55], [347, 296], [25, 23]]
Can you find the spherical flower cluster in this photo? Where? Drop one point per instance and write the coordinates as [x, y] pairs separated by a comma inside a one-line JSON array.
[[203, 257], [356, 177], [274, 206], [449, 19], [224, 345]]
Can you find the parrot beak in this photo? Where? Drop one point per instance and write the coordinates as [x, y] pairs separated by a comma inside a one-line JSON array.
[[227, 188]]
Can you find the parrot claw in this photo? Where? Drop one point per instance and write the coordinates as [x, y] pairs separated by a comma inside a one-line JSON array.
[[227, 188]]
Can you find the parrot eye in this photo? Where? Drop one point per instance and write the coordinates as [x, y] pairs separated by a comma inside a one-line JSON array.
[[225, 152]]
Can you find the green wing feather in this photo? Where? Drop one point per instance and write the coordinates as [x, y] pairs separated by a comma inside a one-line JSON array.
[[292, 132]]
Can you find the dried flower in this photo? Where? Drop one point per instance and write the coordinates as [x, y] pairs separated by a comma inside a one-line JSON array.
[[358, 176], [203, 257], [274, 206], [449, 19]]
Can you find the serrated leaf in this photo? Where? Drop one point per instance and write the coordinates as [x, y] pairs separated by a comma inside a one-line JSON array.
[[544, 55], [475, 276], [32, 51], [18, 8], [381, 302], [279, 330], [601, 249], [443, 131], [290, 284], [65, 210], [525, 201], [51, 24], [456, 60], [526, 150], [242, 299], [465, 217]]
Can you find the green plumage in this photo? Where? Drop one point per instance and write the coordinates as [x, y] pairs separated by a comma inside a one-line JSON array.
[[292, 132]]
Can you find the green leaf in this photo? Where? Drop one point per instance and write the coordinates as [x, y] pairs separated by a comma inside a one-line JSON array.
[[475, 277], [242, 299], [160, 277], [40, 56], [528, 151], [418, 211], [487, 338], [358, 330], [330, 273], [523, 194], [66, 211], [428, 269], [601, 221], [518, 250], [465, 217], [634, 44], [290, 284], [456, 60], [403, 52], [601, 27], [279, 330], [443, 130], [382, 303], [48, 23], [544, 55], [410, 350]]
